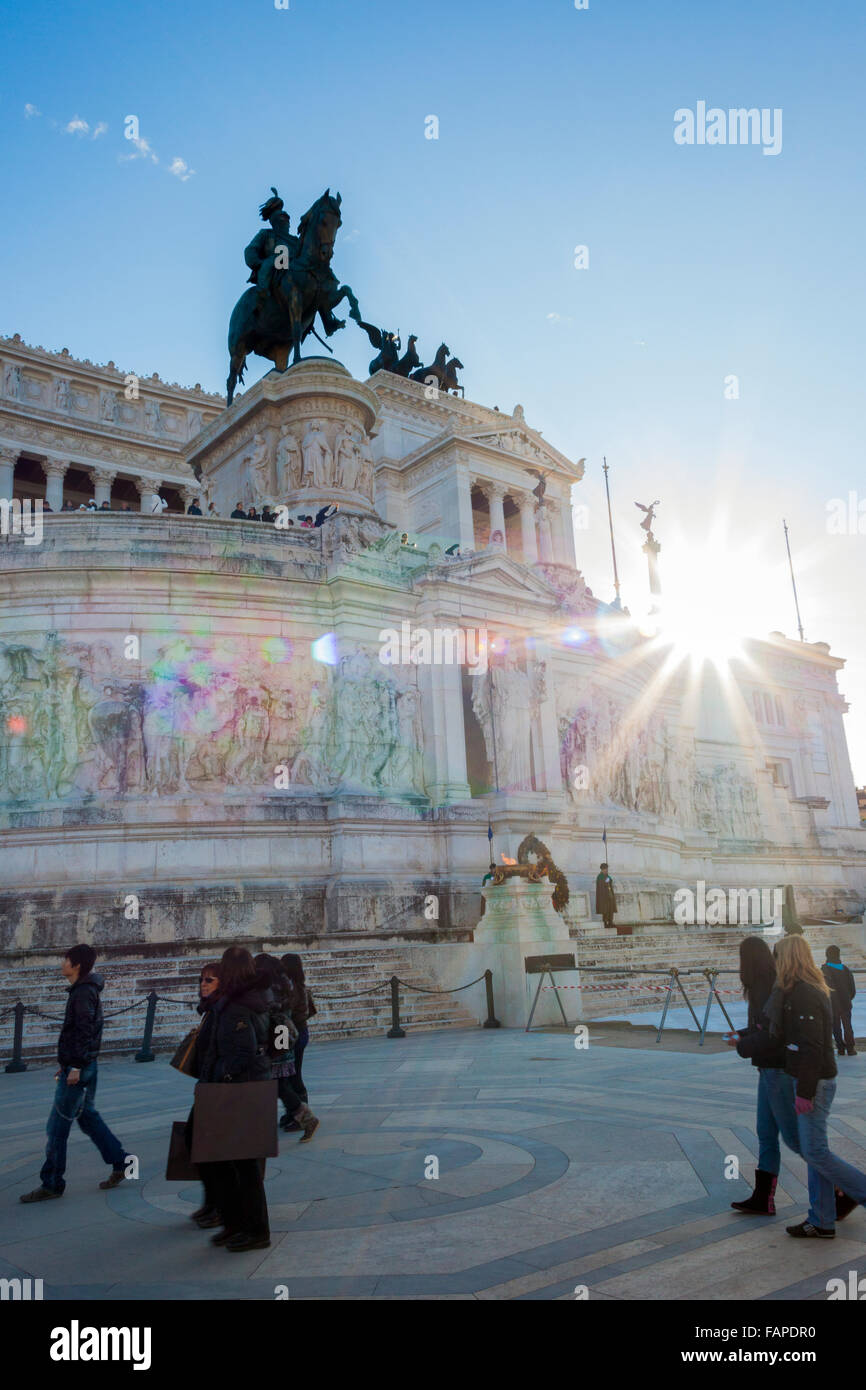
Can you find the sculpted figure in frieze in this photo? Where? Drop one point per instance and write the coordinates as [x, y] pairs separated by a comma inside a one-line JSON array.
[[506, 704], [260, 473], [61, 393], [347, 456], [317, 456], [311, 765], [115, 724], [288, 462], [12, 381]]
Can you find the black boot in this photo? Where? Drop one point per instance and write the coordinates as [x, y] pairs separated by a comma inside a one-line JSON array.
[[844, 1204], [761, 1201]]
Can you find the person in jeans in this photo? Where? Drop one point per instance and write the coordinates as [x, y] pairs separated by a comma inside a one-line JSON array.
[[775, 1088], [303, 1009], [842, 988], [800, 1014], [77, 1051]]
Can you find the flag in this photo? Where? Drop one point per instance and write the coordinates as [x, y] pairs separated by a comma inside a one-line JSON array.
[[604, 839], [490, 832]]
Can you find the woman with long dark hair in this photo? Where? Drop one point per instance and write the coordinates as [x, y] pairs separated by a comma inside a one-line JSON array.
[[775, 1088], [208, 984], [303, 1009], [801, 1016], [236, 1052], [283, 1065]]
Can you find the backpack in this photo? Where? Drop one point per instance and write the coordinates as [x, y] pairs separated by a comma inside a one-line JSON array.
[[280, 1043]]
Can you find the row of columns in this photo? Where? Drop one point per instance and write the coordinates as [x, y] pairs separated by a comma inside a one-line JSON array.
[[536, 521], [55, 471]]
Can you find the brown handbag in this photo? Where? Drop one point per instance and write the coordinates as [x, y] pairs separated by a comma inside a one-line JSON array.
[[234, 1120], [179, 1167], [184, 1058]]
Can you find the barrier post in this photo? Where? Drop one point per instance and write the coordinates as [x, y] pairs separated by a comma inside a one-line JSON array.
[[395, 1031], [667, 1004], [145, 1052], [17, 1064], [712, 976], [491, 1021]]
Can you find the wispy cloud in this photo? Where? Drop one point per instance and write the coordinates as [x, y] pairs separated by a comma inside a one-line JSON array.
[[180, 169], [142, 150], [559, 318], [30, 110], [98, 130], [76, 126]]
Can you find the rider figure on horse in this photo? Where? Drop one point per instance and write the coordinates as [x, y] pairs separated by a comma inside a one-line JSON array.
[[270, 249]]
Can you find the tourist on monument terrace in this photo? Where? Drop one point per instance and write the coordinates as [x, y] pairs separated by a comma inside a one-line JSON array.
[[842, 988], [235, 1052], [800, 1014], [605, 898], [77, 1051], [239, 514], [193, 509]]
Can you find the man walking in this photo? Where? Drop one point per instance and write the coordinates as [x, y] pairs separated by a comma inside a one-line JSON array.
[[77, 1051], [842, 991], [605, 898]]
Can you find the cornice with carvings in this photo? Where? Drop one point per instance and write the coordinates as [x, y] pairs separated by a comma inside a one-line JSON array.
[[64, 363]]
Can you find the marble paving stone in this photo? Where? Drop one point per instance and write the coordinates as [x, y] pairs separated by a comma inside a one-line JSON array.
[[612, 1177], [443, 1246], [744, 1266], [571, 1269], [592, 1194]]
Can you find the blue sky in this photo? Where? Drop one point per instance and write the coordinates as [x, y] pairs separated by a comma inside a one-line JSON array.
[[556, 129]]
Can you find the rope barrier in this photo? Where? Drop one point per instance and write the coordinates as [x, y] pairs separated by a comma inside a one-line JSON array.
[[420, 989]]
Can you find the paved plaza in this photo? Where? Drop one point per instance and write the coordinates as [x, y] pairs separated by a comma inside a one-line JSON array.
[[558, 1167]]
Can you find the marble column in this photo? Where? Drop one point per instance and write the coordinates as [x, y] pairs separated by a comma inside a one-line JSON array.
[[545, 533], [465, 519], [444, 737], [496, 498], [527, 527], [102, 479], [148, 490], [8, 460], [55, 471]]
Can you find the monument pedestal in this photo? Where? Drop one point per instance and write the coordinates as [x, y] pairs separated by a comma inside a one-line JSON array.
[[299, 438], [519, 921]]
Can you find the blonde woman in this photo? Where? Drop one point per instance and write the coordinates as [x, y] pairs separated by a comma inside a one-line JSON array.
[[800, 1014]]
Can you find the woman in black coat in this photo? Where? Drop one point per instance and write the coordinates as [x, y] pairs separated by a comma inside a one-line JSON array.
[[236, 1052], [208, 984], [776, 1112]]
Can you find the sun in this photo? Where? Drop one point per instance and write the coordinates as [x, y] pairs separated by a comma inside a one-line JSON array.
[[707, 611]]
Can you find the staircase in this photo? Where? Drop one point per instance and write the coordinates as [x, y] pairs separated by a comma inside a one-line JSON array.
[[333, 972]]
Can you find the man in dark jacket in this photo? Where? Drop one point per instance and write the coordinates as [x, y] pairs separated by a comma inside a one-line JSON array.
[[77, 1051], [605, 898], [842, 991]]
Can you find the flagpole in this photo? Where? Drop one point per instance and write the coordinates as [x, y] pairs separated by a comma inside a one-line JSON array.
[[616, 602], [793, 581]]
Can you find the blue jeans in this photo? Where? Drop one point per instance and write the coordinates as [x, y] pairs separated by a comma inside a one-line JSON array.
[[826, 1170], [776, 1115], [76, 1103]]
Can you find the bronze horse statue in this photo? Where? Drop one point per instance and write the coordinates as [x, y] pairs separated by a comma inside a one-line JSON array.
[[306, 287]]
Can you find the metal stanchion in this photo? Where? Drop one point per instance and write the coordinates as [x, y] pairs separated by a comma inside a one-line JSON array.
[[145, 1052], [395, 1031], [17, 1064], [491, 1021]]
